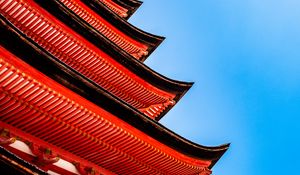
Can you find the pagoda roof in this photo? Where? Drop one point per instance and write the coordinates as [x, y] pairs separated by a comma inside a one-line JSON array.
[[136, 48], [138, 43], [63, 74], [162, 90], [123, 8], [152, 41], [130, 5]]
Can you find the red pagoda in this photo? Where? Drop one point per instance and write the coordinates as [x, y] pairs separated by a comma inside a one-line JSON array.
[[76, 97]]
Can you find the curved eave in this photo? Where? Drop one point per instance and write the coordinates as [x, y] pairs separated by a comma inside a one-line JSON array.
[[130, 5], [152, 41], [80, 26], [178, 88], [40, 59], [176, 99]]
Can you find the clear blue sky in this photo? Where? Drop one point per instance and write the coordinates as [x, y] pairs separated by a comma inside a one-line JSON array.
[[244, 57]]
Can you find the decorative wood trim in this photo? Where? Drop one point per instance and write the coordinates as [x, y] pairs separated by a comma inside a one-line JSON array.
[[134, 48], [38, 109], [85, 58], [61, 73], [122, 12], [130, 5], [42, 151], [69, 79], [152, 41]]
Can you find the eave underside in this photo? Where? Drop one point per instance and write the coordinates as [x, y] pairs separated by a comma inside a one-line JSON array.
[[116, 8], [58, 71], [60, 121], [152, 41], [136, 48], [46, 132], [161, 97], [37, 96], [130, 5]]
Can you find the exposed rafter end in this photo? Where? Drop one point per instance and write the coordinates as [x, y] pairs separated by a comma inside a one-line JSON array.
[[130, 5]]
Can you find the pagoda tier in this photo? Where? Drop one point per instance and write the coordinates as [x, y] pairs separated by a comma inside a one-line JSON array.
[[135, 47], [130, 5], [150, 40], [126, 78], [116, 8], [57, 120], [96, 15], [123, 8]]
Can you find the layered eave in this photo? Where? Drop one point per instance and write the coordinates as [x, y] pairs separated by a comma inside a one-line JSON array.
[[60, 126], [130, 5], [119, 32], [134, 47], [127, 78], [152, 41], [124, 9]]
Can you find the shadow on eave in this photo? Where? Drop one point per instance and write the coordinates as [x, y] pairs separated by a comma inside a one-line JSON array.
[[152, 41], [43, 61], [130, 5]]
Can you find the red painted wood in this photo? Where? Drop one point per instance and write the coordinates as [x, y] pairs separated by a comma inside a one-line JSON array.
[[130, 45], [115, 7], [41, 144], [77, 52], [69, 122]]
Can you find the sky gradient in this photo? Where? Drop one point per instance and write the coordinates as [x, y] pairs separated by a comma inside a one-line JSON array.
[[244, 57]]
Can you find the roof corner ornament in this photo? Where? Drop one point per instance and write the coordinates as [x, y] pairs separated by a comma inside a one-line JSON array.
[[205, 171], [140, 54], [124, 15], [170, 102], [143, 53]]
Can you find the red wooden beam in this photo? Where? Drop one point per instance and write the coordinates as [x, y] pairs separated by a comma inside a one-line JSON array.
[[44, 109], [131, 46], [77, 52], [122, 12]]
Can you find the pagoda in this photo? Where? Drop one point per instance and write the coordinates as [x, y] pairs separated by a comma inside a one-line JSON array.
[[76, 97]]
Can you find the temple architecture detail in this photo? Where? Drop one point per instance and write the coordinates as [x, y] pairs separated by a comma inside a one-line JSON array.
[[76, 97]]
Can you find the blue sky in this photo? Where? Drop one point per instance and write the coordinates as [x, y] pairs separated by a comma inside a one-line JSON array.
[[244, 57]]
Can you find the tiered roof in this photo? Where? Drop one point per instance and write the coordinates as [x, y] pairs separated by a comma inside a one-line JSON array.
[[130, 5], [71, 97], [106, 65], [124, 8], [149, 40], [132, 40]]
